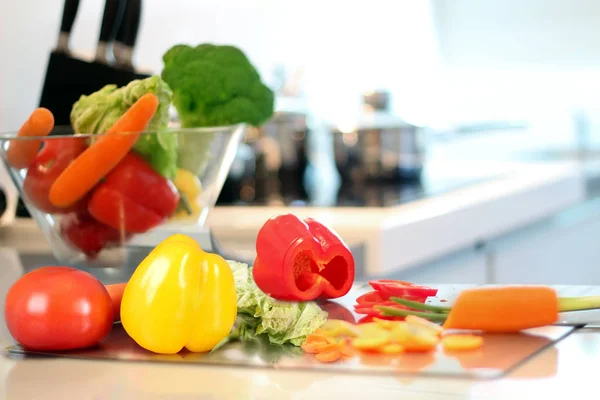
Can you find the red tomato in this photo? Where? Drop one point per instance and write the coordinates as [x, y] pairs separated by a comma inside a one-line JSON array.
[[50, 162], [83, 232], [58, 308]]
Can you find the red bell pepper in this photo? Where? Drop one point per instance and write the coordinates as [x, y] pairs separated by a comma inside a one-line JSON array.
[[301, 260], [133, 197], [402, 289], [83, 232]]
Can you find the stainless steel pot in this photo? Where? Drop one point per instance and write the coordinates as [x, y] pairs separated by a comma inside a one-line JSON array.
[[379, 147]]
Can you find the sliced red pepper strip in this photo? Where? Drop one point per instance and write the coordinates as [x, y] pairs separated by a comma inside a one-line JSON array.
[[402, 288], [301, 260], [133, 197], [373, 297], [377, 297]]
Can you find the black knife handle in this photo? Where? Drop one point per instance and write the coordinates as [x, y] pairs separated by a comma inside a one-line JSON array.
[[113, 10], [130, 24], [69, 14]]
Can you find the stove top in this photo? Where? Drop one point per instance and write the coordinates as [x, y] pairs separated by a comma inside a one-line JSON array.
[[320, 190]]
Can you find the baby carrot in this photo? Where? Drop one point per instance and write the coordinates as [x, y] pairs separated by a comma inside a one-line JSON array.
[[102, 156], [504, 309], [21, 153], [116, 295]]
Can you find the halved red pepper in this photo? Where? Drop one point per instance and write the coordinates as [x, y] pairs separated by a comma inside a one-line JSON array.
[[402, 289], [133, 197], [301, 260]]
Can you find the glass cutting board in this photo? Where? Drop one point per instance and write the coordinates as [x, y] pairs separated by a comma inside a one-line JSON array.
[[500, 354]]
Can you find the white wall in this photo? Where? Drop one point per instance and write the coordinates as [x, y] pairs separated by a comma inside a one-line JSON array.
[[344, 46], [483, 33]]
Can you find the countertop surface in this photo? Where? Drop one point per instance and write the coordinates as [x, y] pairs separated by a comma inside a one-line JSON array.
[[517, 194], [566, 369]]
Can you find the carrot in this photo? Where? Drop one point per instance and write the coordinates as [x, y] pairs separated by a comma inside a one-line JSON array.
[[461, 342], [370, 343], [116, 294], [315, 337], [504, 309], [21, 153], [392, 348], [102, 156], [312, 348], [497, 309], [329, 356]]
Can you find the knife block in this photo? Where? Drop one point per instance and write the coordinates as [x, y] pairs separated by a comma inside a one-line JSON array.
[[67, 78]]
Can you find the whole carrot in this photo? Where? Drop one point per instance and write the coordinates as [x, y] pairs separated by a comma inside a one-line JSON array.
[[497, 309], [115, 291], [504, 309], [21, 153], [102, 156]]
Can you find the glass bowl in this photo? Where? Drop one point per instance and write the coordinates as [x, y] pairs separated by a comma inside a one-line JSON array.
[[91, 196]]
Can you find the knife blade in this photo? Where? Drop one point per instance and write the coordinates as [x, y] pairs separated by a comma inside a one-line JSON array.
[[68, 18], [127, 33], [113, 14]]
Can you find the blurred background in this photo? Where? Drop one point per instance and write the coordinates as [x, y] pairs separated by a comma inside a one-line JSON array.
[[378, 104], [527, 70]]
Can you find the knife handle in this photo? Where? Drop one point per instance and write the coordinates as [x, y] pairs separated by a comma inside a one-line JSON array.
[[68, 18], [127, 33], [113, 10], [69, 14], [130, 24]]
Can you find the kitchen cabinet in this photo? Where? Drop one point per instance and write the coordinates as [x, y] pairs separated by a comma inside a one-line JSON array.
[[468, 266], [564, 250]]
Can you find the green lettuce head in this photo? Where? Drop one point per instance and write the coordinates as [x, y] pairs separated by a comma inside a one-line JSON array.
[[97, 112]]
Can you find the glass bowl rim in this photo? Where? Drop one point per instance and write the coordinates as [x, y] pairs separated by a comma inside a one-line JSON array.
[[13, 135]]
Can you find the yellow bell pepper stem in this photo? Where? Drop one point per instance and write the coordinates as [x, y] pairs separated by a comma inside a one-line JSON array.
[[179, 297]]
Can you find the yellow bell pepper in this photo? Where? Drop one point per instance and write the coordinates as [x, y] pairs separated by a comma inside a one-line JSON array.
[[179, 296], [189, 186]]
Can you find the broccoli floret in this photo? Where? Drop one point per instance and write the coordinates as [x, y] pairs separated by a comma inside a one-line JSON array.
[[216, 85]]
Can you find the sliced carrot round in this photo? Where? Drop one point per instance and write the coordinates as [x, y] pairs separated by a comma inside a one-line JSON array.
[[461, 342], [328, 356]]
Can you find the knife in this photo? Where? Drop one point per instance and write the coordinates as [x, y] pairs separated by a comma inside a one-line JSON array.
[[127, 33], [113, 13], [68, 18]]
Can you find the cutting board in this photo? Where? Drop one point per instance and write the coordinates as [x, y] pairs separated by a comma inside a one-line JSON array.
[[500, 353]]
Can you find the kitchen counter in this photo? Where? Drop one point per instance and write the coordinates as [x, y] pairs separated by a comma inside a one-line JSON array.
[[387, 240], [398, 237], [567, 369]]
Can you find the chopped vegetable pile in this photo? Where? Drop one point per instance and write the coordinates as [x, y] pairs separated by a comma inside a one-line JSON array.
[[340, 340]]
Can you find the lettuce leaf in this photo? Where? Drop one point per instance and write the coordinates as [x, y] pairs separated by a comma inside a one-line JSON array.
[[258, 314], [97, 112]]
